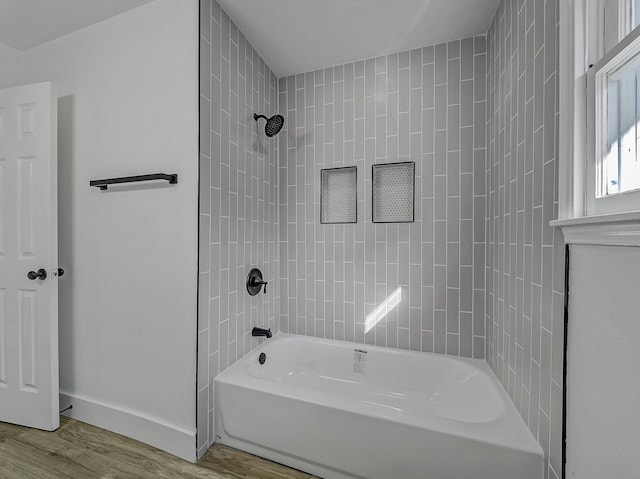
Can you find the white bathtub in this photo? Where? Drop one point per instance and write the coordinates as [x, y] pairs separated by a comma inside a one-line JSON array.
[[336, 411]]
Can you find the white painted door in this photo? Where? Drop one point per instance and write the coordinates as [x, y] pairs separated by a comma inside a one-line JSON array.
[[28, 243]]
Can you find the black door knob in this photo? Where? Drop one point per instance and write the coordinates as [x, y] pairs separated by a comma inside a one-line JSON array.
[[41, 274]]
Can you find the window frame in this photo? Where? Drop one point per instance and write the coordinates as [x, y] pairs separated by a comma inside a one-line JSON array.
[[581, 41], [597, 202]]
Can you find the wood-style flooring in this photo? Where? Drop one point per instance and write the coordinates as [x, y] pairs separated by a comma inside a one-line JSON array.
[[80, 451]]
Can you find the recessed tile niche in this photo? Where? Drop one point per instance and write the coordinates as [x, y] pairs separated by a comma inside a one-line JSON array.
[[393, 192], [338, 195]]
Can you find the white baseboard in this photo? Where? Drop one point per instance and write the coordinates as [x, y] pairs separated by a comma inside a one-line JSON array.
[[172, 439]]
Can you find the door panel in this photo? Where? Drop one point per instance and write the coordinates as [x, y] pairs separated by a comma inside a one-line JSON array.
[[3, 339], [28, 243], [25, 206]]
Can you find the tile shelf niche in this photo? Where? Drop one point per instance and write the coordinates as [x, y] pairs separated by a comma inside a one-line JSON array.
[[338, 195], [393, 194]]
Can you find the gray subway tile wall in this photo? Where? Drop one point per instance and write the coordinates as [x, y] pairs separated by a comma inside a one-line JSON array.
[[426, 105], [238, 203], [480, 252], [525, 256]]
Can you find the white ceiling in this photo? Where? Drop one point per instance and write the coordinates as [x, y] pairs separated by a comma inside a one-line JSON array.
[[295, 36], [27, 23]]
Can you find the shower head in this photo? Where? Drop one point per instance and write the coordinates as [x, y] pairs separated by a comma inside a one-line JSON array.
[[273, 126]]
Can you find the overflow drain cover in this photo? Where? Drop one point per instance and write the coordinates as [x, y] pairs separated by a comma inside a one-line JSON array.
[[262, 358]]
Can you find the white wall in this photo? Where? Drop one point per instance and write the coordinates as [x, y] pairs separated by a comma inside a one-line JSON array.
[[9, 65], [128, 104], [603, 384]]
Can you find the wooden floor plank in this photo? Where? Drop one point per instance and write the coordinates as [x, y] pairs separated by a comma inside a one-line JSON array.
[[132, 453], [93, 463], [247, 466], [36, 462], [9, 431], [81, 451]]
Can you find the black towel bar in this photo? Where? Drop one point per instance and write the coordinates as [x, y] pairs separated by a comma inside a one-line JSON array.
[[104, 184]]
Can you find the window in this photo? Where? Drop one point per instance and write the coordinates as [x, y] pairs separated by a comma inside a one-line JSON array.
[[621, 171], [599, 122], [613, 107]]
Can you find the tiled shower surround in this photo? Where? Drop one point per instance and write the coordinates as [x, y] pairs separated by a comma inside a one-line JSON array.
[[426, 105], [525, 256], [238, 202], [479, 117]]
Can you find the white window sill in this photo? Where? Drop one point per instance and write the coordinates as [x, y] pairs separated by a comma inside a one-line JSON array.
[[619, 229]]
